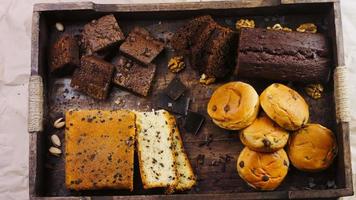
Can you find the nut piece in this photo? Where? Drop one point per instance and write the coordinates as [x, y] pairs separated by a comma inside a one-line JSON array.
[[55, 151], [314, 90], [59, 123], [245, 23], [55, 140], [279, 27], [176, 64], [307, 28], [59, 27], [204, 79]]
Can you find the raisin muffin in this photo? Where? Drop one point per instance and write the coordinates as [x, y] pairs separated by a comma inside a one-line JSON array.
[[234, 105], [312, 148], [264, 135], [285, 106], [262, 171]]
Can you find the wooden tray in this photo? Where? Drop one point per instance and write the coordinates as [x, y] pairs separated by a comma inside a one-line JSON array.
[[50, 97]]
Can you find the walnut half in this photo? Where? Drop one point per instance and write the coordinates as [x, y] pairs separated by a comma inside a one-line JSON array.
[[314, 90], [176, 64], [204, 79], [245, 23], [307, 28], [279, 27]]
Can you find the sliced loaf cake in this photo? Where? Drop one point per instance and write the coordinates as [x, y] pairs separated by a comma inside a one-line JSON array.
[[186, 177], [154, 145]]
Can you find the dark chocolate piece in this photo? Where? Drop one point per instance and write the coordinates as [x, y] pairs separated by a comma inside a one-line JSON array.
[[193, 122], [179, 106], [133, 75], [101, 33], [141, 45], [93, 77], [64, 55], [175, 89], [287, 56]]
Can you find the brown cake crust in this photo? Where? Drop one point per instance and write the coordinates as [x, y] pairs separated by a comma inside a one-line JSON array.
[[93, 77], [64, 55], [99, 149], [101, 33], [280, 55], [133, 75], [142, 46]]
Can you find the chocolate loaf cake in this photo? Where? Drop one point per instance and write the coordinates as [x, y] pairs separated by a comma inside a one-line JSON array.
[[192, 33], [133, 75], [64, 55], [101, 34], [215, 57], [208, 46], [142, 46], [93, 77], [279, 55]]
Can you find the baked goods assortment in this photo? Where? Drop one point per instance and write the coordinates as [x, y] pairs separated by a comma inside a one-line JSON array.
[[100, 148], [100, 144]]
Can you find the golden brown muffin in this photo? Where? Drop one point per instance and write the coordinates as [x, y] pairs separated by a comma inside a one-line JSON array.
[[264, 135], [312, 148], [234, 105], [285, 106], [99, 149], [263, 171]]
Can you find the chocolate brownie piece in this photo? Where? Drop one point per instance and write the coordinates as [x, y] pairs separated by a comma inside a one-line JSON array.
[[216, 58], [188, 34], [64, 55], [93, 77], [133, 75], [101, 33], [279, 55], [141, 45]]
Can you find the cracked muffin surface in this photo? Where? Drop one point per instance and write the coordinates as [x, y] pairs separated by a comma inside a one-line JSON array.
[[312, 148], [263, 171], [285, 106]]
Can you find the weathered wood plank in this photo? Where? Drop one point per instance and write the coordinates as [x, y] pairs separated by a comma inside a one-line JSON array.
[[306, 1]]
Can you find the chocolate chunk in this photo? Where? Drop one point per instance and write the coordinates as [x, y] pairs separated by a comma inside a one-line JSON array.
[[179, 107], [193, 122], [265, 178], [242, 164], [175, 89]]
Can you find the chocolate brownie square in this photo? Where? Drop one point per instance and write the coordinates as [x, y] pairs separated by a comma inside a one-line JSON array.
[[64, 55], [133, 75], [93, 77], [101, 33], [141, 45]]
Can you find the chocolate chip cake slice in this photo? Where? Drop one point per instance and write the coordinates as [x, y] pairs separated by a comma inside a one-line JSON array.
[[99, 149], [155, 149]]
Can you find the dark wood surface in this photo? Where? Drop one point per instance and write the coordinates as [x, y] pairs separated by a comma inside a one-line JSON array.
[[221, 181]]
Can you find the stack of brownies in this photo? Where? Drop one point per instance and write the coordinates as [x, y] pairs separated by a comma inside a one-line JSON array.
[[132, 67]]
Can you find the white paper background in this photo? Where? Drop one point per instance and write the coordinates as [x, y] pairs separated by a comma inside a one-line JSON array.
[[15, 50]]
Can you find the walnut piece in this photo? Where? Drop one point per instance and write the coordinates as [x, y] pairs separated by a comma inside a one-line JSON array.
[[307, 28], [204, 79], [176, 64], [279, 27], [314, 90], [245, 23]]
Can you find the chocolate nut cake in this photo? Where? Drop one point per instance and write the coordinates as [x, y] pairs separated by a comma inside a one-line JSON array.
[[133, 75], [93, 77], [280, 55], [64, 55], [208, 46], [101, 33], [141, 45]]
